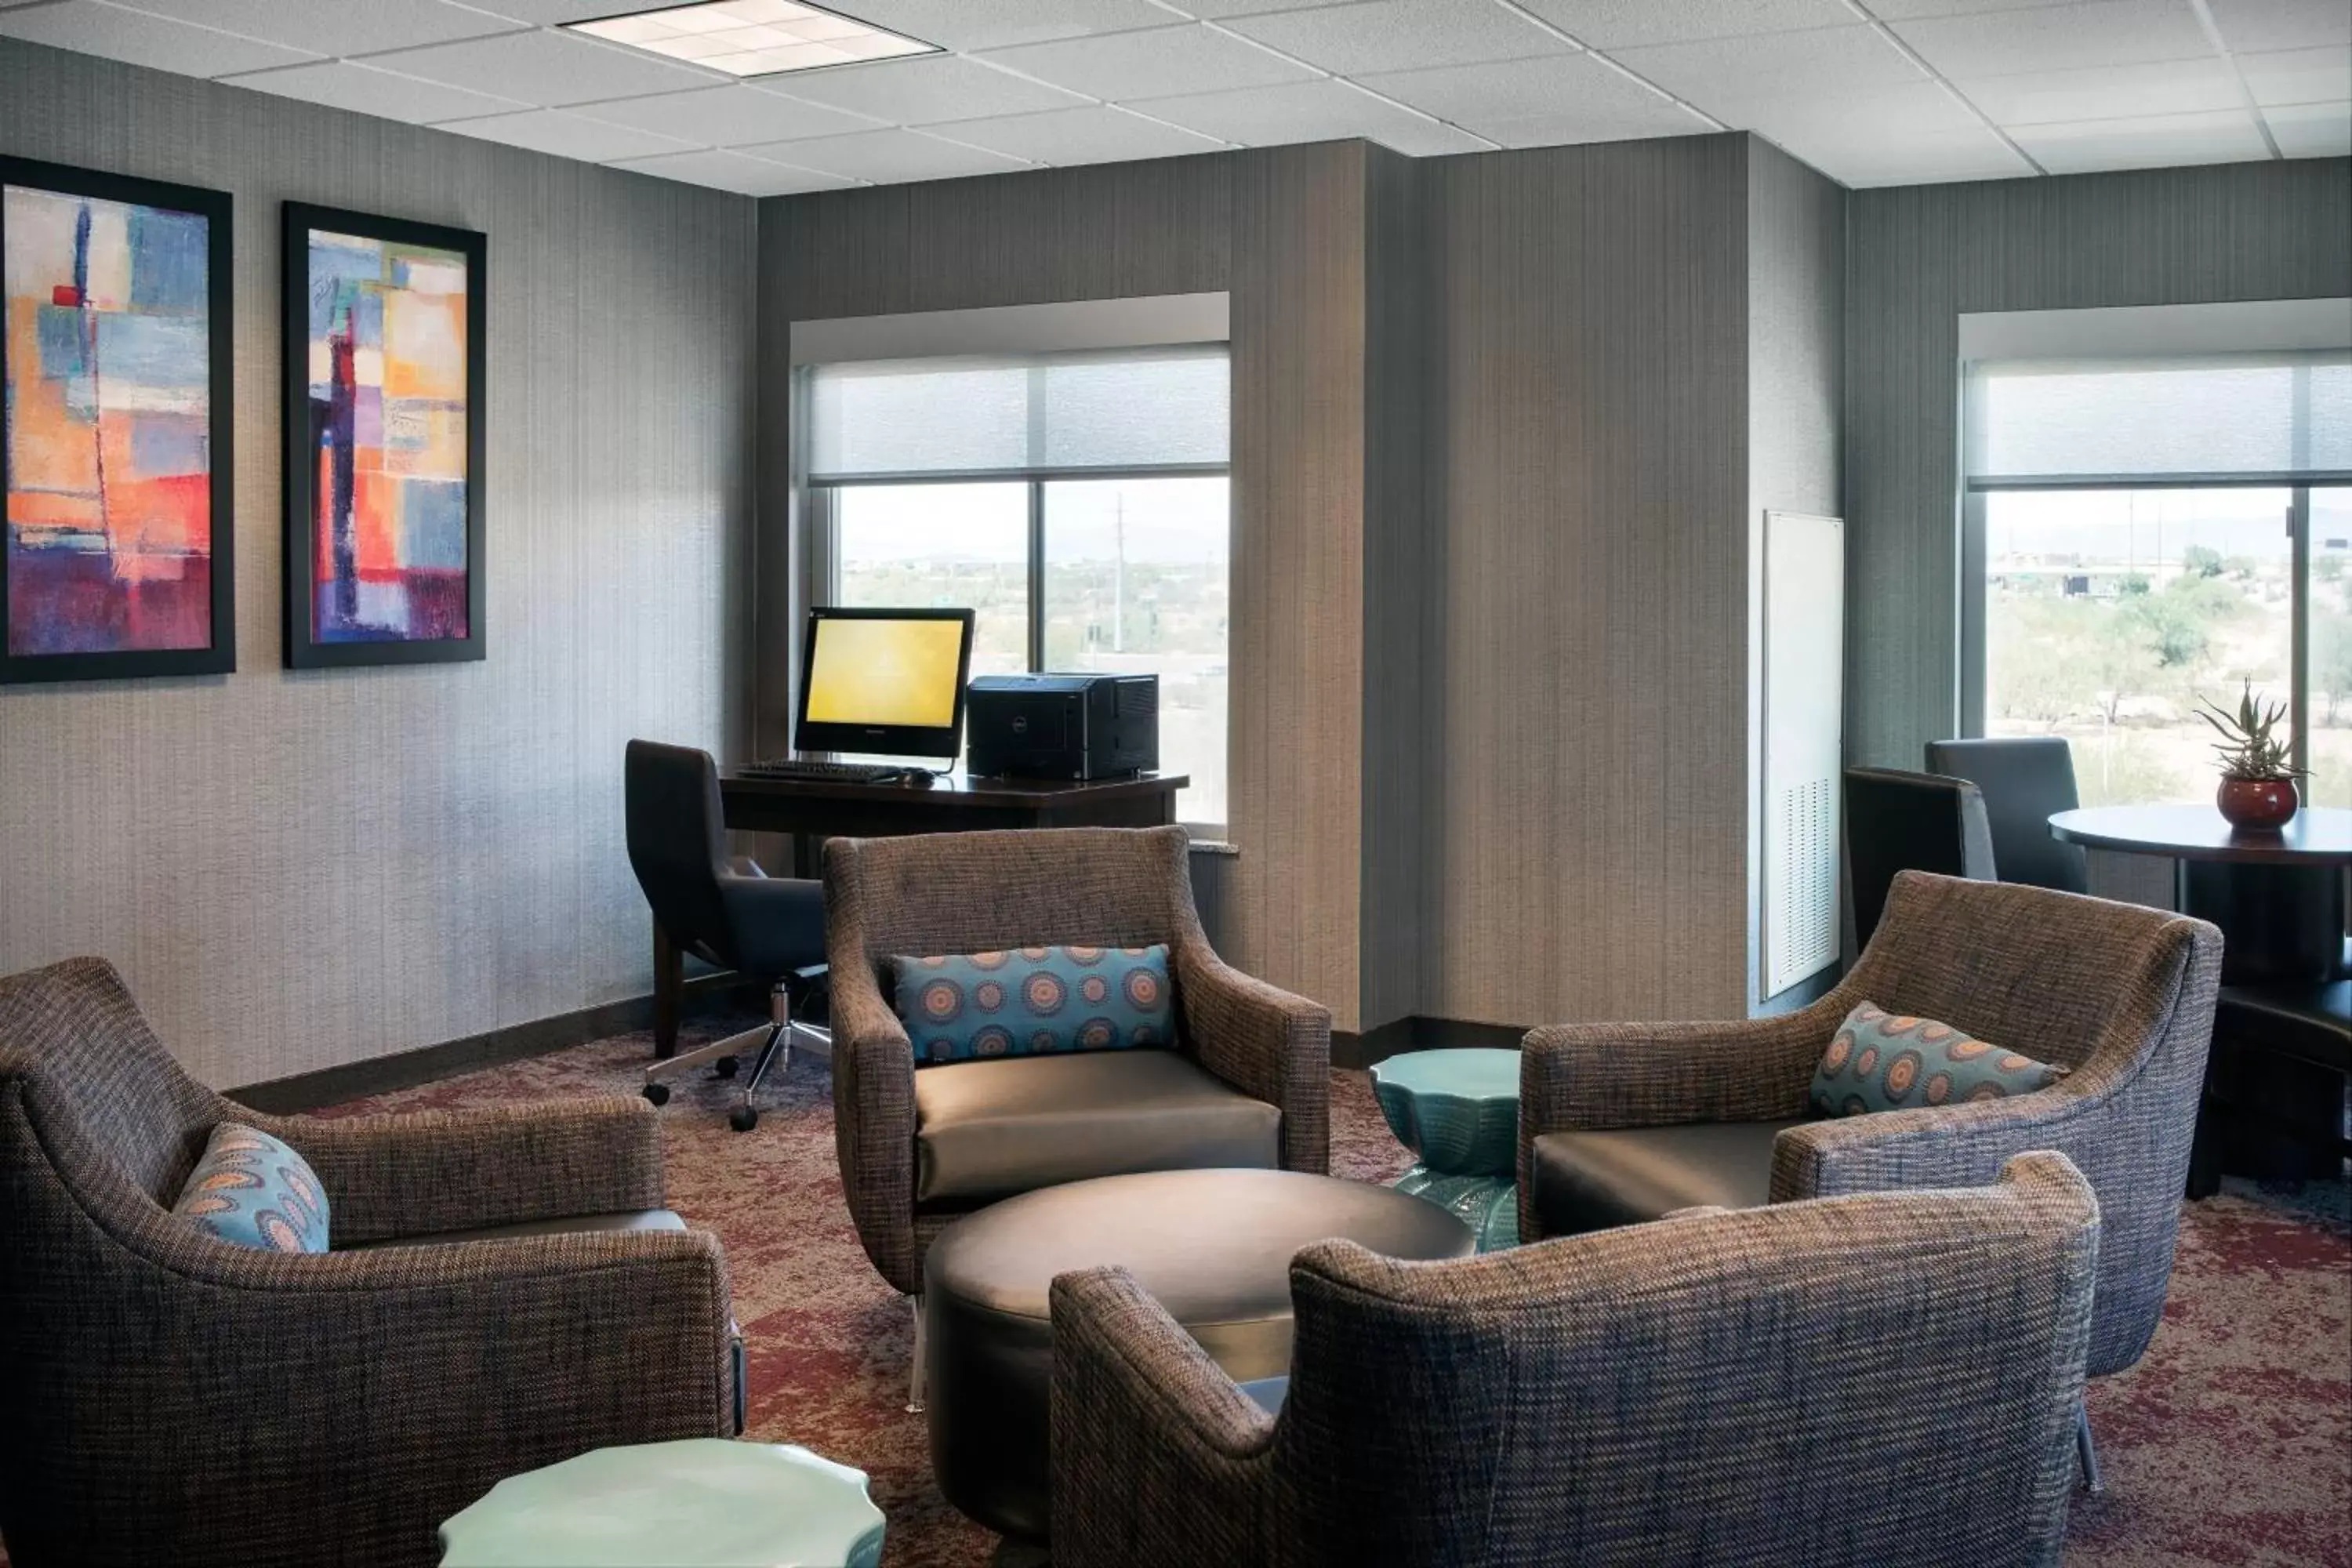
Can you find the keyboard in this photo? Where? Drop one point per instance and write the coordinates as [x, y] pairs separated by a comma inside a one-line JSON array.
[[824, 772]]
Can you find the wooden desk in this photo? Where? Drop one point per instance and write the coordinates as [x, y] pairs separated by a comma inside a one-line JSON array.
[[813, 810]]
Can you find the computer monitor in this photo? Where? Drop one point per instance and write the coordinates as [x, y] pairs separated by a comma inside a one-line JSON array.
[[885, 681]]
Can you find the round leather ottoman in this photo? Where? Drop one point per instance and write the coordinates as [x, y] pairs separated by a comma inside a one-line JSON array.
[[1214, 1248]]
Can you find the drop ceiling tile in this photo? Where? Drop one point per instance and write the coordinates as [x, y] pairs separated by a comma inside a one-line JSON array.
[[335, 29], [2311, 129], [1539, 102], [2257, 24], [2105, 92], [1823, 59], [923, 91], [1613, 24], [1857, 157], [1892, 10], [88, 28], [564, 135], [725, 116], [1910, 109], [964, 25], [554, 68], [1162, 63], [1324, 110], [552, 13], [733, 172], [2144, 141], [340, 84], [1217, 10], [1095, 134], [2058, 37], [2298, 75], [1400, 34], [888, 156]]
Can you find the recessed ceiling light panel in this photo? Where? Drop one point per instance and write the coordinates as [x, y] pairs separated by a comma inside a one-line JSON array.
[[753, 38]]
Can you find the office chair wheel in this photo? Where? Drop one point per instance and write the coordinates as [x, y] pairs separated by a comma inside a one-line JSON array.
[[743, 1118], [725, 1066], [658, 1093]]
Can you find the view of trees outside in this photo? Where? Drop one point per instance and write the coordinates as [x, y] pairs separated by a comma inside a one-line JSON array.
[[1135, 579], [2109, 614]]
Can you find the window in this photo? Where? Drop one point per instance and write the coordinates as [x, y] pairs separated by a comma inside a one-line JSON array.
[[1078, 503], [2148, 536]]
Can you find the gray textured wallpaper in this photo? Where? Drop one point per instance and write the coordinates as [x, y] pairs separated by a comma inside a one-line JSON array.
[[296, 871], [1919, 255]]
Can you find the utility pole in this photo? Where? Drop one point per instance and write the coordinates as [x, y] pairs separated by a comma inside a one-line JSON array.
[[1119, 576]]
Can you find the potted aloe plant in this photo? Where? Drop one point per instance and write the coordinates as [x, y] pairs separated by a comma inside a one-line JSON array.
[[2257, 782]]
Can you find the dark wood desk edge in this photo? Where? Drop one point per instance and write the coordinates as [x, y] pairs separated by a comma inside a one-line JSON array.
[[1027, 795]]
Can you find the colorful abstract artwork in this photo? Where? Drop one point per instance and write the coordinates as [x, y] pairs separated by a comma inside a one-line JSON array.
[[114, 365], [385, 441]]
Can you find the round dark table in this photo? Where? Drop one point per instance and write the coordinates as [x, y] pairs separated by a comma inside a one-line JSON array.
[[2278, 897]]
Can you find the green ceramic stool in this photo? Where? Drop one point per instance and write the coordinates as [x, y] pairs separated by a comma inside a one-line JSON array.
[[1459, 1110], [701, 1502]]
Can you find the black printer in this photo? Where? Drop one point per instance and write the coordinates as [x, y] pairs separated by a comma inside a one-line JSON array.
[[1063, 726]]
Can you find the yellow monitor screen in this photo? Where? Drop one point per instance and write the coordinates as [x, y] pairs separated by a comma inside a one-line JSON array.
[[875, 672]]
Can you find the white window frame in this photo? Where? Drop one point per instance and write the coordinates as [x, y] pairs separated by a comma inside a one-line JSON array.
[[1070, 327]]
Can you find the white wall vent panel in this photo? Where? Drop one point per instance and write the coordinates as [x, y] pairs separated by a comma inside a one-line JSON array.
[[1804, 699]]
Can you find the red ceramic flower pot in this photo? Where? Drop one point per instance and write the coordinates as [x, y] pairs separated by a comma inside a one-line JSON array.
[[2263, 804]]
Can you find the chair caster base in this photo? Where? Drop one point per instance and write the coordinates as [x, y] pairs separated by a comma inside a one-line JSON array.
[[657, 1093], [743, 1118], [725, 1066], [914, 1407]]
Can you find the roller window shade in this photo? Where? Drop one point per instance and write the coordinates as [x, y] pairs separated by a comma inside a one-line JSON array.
[[1163, 408], [2277, 418]]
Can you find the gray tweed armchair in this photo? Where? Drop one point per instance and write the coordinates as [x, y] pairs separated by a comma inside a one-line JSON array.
[[1621, 1122], [167, 1397], [1247, 1083], [1885, 1380]]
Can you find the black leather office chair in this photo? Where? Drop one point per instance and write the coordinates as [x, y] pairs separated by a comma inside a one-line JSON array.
[[1897, 821], [2024, 779], [726, 913]]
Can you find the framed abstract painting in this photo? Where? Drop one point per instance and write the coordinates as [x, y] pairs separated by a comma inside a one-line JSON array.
[[115, 354], [383, 440]]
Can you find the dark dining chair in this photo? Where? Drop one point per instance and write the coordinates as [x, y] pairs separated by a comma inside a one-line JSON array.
[[2025, 780], [1897, 821], [725, 912]]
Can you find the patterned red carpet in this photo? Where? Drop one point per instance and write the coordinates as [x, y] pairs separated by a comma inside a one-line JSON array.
[[2231, 1443]]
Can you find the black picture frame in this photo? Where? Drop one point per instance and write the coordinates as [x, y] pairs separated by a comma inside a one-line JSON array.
[[302, 650], [219, 656]]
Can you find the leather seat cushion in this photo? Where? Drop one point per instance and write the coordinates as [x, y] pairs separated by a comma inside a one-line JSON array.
[[988, 1130], [569, 1225], [1592, 1181], [1213, 1247], [2313, 1022]]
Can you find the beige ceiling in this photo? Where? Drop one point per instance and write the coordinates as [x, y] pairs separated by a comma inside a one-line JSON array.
[[1871, 92]]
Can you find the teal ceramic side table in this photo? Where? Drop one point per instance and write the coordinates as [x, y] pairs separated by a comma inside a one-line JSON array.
[[701, 1503], [1459, 1110]]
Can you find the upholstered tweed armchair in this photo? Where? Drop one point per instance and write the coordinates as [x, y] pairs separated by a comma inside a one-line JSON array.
[[167, 1397], [1248, 1082], [1621, 1122], [1886, 1381]]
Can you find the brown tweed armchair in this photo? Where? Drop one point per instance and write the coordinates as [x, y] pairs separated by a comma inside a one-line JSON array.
[[166, 1398], [1886, 1380], [1620, 1119], [969, 892]]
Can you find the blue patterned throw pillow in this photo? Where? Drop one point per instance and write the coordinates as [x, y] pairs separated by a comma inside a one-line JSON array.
[[254, 1191], [1033, 1000], [1884, 1061]]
